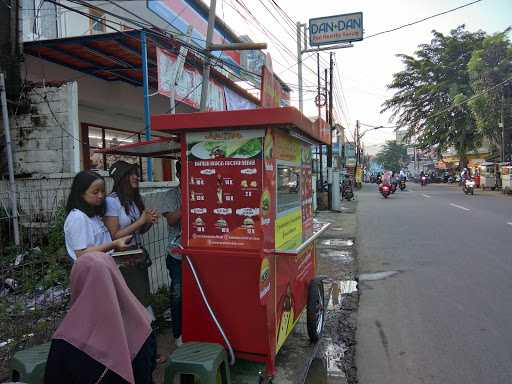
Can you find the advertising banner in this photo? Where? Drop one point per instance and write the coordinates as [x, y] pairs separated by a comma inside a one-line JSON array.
[[188, 89], [235, 102], [182, 13], [271, 89], [336, 29], [306, 191], [227, 216], [293, 275]]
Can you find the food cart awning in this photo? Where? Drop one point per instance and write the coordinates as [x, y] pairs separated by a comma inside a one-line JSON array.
[[161, 147], [298, 124]]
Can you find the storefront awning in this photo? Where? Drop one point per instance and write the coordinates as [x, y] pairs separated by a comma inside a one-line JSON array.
[[115, 57], [157, 148]]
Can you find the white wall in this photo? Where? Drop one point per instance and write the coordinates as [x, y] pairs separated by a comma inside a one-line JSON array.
[[44, 131], [110, 104]]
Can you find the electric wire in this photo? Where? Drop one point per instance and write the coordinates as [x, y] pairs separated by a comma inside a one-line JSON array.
[[421, 20]]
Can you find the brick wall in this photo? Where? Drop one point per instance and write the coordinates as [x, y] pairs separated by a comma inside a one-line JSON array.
[[46, 135]]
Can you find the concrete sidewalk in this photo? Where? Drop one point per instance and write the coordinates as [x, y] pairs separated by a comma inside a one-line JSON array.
[[337, 262]]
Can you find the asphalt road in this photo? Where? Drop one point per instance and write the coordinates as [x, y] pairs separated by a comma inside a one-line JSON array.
[[446, 315]]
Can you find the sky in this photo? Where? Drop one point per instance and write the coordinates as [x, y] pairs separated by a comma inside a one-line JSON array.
[[365, 69]]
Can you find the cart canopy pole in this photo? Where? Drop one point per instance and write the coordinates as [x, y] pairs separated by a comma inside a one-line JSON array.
[[147, 117]]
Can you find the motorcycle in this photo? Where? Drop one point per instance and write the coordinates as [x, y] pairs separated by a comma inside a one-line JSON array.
[[385, 190], [469, 187], [393, 186], [423, 180], [402, 184], [346, 192]]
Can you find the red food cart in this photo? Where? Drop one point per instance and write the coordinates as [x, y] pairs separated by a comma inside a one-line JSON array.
[[247, 227], [248, 233]]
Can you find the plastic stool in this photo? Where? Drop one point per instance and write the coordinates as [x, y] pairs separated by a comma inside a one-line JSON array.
[[30, 364], [203, 360]]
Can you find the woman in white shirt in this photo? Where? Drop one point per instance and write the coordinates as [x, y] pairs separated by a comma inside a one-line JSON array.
[[84, 230], [125, 213]]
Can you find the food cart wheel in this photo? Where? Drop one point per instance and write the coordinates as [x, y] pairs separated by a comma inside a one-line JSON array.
[[315, 309]]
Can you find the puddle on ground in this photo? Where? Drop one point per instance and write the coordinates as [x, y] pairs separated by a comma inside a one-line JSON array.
[[377, 275], [338, 289], [325, 369], [333, 354], [342, 256], [338, 242]]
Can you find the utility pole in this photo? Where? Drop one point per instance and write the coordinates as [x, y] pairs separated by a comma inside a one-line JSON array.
[[329, 146], [320, 146], [299, 65], [218, 47], [330, 124], [502, 123], [358, 138], [206, 64], [8, 144]]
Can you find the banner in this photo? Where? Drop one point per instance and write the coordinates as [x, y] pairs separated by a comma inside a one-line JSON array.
[[182, 13], [188, 89], [236, 102]]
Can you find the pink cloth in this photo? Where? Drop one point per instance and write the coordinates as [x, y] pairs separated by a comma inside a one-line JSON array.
[[105, 320], [386, 178]]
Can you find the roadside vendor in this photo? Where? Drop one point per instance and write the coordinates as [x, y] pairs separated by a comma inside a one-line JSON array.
[[172, 213]]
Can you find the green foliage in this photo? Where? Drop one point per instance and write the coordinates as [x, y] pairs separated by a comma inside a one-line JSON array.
[[489, 67], [393, 156], [431, 91], [160, 302], [56, 241]]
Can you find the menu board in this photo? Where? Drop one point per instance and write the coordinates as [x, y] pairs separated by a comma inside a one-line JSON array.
[[225, 179]]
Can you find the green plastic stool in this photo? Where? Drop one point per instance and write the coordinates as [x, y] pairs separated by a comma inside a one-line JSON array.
[[204, 360], [30, 364]]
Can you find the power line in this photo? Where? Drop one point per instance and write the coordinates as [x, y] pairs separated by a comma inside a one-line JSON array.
[[422, 20]]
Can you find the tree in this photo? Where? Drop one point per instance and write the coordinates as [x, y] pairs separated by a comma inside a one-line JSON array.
[[489, 68], [431, 93], [393, 156]]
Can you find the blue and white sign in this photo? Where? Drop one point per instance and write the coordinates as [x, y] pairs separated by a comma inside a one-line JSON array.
[[336, 29]]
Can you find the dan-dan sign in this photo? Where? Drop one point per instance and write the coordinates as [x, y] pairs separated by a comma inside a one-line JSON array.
[[336, 29]]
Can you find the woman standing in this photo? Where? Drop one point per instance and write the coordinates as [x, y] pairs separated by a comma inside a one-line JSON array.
[[126, 214], [84, 230]]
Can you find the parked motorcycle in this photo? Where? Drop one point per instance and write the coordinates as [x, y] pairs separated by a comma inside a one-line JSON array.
[[469, 187], [346, 191], [385, 190], [402, 184]]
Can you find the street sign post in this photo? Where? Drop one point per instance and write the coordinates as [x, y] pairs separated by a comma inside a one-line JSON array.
[[336, 29]]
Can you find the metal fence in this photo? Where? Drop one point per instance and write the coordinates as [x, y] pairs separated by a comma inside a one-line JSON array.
[[34, 289]]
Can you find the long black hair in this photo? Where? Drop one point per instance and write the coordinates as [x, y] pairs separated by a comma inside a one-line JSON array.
[[127, 194], [81, 183]]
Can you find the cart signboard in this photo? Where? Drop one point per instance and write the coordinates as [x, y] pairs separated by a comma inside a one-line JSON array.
[[227, 215]]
